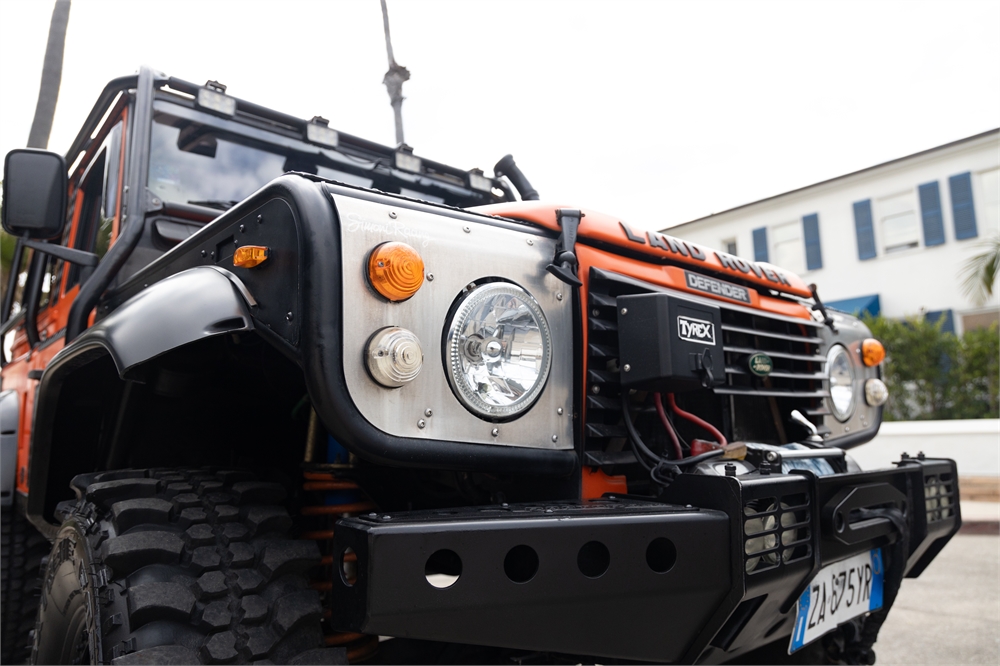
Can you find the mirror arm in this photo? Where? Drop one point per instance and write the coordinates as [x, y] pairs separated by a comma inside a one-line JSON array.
[[69, 254]]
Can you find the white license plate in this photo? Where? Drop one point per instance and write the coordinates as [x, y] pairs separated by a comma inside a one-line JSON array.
[[839, 592]]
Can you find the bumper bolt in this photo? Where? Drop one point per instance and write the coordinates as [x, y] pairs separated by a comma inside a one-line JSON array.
[[730, 469]]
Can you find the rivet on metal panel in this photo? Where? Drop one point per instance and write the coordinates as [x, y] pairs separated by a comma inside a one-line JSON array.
[[559, 411], [289, 316], [531, 242], [624, 311], [392, 214], [243, 228], [204, 254], [627, 368], [421, 423], [555, 438], [428, 413], [466, 229], [260, 219], [595, 389], [430, 277], [558, 295], [495, 432]]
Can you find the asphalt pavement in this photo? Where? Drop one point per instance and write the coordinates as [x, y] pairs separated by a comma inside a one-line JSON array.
[[951, 614]]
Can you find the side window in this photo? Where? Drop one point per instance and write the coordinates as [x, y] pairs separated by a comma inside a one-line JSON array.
[[99, 187]]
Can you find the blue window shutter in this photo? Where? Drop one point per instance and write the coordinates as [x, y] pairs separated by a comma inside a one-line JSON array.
[[810, 231], [865, 230], [948, 323], [930, 211], [760, 244], [962, 208]]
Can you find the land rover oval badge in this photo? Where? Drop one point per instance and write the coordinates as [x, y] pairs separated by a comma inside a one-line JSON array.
[[761, 364]]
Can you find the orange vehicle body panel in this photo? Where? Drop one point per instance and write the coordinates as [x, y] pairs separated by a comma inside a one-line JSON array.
[[602, 228], [53, 318]]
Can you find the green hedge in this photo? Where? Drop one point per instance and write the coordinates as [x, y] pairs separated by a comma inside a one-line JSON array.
[[932, 374]]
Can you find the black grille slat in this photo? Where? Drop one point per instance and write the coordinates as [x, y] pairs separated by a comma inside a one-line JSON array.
[[771, 334], [816, 376], [738, 390], [775, 354], [603, 324], [606, 431], [602, 351]]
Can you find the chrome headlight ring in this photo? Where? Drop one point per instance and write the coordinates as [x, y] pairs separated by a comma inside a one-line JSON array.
[[497, 351], [841, 375]]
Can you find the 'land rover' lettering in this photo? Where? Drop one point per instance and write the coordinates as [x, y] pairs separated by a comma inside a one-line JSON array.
[[696, 330], [743, 266], [716, 287]]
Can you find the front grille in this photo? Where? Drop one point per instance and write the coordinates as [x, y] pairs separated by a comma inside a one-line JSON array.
[[776, 532], [939, 497], [752, 408]]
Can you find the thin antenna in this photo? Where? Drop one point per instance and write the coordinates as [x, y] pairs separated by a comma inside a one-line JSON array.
[[394, 78]]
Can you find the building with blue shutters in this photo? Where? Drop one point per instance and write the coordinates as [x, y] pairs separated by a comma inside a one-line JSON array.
[[890, 239]]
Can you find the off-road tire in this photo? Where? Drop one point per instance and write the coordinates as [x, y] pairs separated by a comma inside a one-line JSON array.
[[179, 566], [22, 550]]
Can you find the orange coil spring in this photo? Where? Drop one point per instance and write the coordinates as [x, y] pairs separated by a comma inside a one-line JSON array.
[[359, 646]]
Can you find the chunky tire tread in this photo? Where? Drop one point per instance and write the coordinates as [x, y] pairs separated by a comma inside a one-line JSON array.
[[193, 566], [22, 552]]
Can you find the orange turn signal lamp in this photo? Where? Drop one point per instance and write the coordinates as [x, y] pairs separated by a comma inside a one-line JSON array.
[[872, 352], [249, 256], [395, 270]]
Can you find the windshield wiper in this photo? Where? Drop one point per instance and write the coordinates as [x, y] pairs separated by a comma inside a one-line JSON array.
[[218, 204]]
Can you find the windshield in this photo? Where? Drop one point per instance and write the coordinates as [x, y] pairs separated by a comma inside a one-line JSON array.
[[197, 159]]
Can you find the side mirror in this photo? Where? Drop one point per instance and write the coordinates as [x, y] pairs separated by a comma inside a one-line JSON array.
[[34, 193]]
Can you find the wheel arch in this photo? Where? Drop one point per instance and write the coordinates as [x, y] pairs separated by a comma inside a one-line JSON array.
[[177, 312]]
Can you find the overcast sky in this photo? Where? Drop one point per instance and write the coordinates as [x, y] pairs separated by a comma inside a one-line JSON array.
[[659, 112]]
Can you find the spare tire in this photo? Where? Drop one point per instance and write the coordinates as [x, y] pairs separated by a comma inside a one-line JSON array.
[[178, 566]]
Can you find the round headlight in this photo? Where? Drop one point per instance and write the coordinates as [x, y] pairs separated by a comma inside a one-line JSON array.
[[497, 350], [840, 370]]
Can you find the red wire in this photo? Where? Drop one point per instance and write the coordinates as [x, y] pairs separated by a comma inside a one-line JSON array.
[[695, 420], [658, 401]]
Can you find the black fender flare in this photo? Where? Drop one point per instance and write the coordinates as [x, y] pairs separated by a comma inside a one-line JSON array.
[[183, 308]]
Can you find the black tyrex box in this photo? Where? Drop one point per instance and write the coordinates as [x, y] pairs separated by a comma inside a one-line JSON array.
[[669, 343]]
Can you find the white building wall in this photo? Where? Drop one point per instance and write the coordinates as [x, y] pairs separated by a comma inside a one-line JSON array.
[[907, 281]]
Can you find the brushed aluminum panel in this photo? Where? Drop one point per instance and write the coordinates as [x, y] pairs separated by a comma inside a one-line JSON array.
[[456, 252]]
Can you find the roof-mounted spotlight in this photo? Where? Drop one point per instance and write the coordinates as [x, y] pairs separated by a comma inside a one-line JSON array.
[[478, 181], [212, 97], [406, 160], [318, 131]]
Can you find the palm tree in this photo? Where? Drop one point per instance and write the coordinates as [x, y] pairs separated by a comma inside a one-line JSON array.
[[979, 274], [48, 91]]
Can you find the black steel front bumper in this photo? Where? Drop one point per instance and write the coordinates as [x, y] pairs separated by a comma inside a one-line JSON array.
[[709, 574]]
